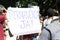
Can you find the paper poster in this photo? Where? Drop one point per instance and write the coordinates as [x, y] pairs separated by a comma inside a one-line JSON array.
[[23, 21]]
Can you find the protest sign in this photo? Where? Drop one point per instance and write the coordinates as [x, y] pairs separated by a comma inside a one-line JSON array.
[[23, 21]]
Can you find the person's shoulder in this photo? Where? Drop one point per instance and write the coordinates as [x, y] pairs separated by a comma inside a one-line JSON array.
[[52, 25], [44, 31], [45, 20], [55, 17], [44, 35]]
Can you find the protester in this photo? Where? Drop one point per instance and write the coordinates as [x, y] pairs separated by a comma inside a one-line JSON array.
[[53, 27], [3, 20], [48, 20]]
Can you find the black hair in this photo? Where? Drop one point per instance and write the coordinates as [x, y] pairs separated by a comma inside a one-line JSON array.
[[50, 12]]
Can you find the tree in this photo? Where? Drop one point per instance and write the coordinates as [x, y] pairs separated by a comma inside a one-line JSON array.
[[45, 5], [13, 3], [24, 3], [8, 3]]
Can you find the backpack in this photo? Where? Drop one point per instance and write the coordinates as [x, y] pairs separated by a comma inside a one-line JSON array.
[[49, 29], [49, 32]]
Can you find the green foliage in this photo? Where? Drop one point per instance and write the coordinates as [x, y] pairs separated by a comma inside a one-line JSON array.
[[46, 4], [26, 2]]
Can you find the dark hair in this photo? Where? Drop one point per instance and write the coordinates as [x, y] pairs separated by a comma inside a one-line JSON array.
[[50, 12]]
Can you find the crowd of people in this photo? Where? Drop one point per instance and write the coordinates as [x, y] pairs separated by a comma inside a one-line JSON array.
[[50, 29]]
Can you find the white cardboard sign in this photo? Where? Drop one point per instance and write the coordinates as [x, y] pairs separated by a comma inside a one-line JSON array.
[[23, 21]]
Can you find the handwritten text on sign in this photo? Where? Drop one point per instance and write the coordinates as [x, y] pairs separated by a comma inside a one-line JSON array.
[[23, 20]]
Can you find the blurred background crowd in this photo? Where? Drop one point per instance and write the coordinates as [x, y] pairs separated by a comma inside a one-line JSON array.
[[49, 13]]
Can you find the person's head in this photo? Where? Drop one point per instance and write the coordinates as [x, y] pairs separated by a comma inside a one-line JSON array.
[[50, 12], [2, 9], [41, 19]]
